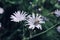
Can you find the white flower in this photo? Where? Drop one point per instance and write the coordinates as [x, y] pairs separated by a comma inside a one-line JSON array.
[[35, 21], [58, 29], [59, 0], [57, 12], [18, 16], [39, 9], [1, 10], [30, 2]]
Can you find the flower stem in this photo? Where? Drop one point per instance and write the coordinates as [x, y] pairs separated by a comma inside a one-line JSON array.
[[23, 34], [3, 33], [42, 32], [12, 35]]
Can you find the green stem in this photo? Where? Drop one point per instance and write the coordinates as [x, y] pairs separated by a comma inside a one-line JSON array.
[[12, 35], [9, 37], [42, 32], [10, 2], [30, 33], [3, 33], [23, 34]]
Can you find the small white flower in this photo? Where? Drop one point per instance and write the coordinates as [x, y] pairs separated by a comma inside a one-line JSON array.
[[58, 29], [35, 21], [57, 12], [59, 0], [30, 2], [39, 9], [18, 16], [1, 10]]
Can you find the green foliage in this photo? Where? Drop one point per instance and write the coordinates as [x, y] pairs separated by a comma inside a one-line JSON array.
[[17, 31]]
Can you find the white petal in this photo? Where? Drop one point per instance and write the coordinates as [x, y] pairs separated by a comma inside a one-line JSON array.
[[22, 12], [39, 27], [15, 20], [57, 15], [57, 12], [0, 24], [37, 15], [1, 10], [31, 27], [33, 15], [41, 21], [58, 29]]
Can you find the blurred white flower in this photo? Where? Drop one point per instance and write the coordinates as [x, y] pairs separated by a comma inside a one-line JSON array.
[[35, 21], [1, 10], [59, 0], [18, 16], [57, 12], [30, 2], [0, 25], [58, 29], [39, 9]]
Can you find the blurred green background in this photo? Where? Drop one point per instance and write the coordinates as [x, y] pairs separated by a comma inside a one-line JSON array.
[[14, 31]]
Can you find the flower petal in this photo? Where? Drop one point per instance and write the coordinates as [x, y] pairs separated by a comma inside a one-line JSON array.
[[31, 27], [39, 27]]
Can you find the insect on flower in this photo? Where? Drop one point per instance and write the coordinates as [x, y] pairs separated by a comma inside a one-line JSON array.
[[35, 21]]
